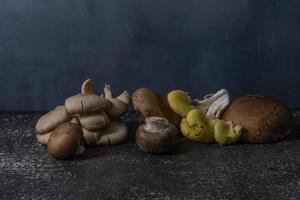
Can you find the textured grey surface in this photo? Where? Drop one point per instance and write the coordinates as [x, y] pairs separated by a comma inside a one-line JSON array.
[[48, 47], [190, 171]]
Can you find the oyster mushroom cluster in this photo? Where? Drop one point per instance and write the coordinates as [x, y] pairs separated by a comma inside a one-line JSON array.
[[86, 118], [201, 118]]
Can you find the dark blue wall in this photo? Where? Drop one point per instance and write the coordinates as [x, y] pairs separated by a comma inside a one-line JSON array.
[[48, 47]]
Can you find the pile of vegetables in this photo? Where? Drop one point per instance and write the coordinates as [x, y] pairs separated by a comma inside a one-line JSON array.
[[91, 119]]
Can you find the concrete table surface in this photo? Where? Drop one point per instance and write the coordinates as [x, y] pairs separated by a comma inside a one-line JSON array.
[[191, 171]]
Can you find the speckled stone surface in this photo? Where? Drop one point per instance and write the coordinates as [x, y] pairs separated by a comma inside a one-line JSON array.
[[190, 171]]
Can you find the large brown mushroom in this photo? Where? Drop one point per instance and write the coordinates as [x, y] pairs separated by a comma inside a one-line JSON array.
[[66, 140], [263, 119], [148, 103], [157, 135]]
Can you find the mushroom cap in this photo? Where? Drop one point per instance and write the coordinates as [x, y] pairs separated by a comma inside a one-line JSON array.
[[263, 119], [94, 121], [148, 103], [156, 140], [116, 132], [65, 140], [52, 119], [118, 108], [84, 103]]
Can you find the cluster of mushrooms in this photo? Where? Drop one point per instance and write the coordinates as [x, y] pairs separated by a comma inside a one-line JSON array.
[[250, 118], [91, 119], [85, 119]]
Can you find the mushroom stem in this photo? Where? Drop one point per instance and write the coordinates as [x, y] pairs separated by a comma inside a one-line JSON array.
[[107, 92], [125, 97], [87, 87], [156, 124]]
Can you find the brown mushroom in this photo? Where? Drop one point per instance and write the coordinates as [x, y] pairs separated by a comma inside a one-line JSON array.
[[157, 135], [94, 120], [148, 103], [66, 140], [263, 119]]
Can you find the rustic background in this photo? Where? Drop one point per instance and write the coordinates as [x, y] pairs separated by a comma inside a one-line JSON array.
[[47, 48]]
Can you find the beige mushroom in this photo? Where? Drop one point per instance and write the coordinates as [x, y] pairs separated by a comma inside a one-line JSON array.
[[66, 140], [115, 133], [43, 138], [94, 120], [86, 101], [119, 105], [52, 119], [91, 137]]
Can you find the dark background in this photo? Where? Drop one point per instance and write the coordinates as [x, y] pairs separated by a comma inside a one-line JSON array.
[[49, 47]]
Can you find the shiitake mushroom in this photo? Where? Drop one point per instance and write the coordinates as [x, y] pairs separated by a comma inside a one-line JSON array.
[[263, 119]]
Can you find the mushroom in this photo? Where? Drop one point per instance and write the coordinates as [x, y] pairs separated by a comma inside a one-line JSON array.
[[66, 140], [94, 120], [212, 105], [86, 101], [52, 119], [149, 103], [201, 121], [180, 102], [87, 112], [263, 119], [49, 122], [157, 135], [115, 133], [196, 127], [91, 137], [43, 138], [119, 105], [226, 132]]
